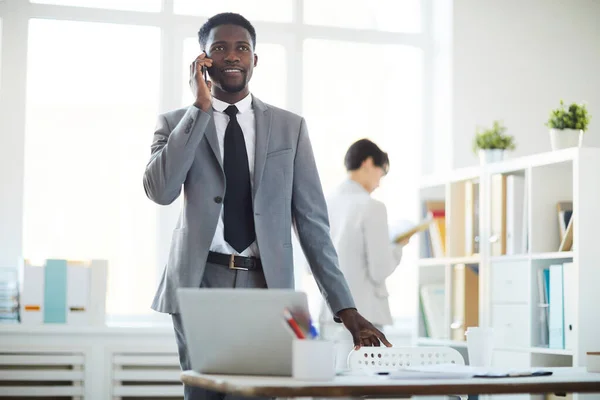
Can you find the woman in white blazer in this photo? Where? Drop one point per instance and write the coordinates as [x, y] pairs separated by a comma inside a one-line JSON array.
[[359, 229]]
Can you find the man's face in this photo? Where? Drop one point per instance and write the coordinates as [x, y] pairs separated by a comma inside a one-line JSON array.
[[230, 48]]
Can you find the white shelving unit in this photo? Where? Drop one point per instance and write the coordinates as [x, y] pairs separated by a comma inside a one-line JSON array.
[[508, 284]]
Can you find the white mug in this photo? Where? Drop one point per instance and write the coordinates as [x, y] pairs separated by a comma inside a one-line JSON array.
[[480, 346]]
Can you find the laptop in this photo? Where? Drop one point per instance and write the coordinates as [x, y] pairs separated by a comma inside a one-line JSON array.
[[239, 331]]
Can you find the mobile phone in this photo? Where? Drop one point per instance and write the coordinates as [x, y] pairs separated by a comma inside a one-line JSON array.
[[205, 74]]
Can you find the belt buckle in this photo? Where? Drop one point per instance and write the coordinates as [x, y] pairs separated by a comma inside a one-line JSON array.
[[232, 264]]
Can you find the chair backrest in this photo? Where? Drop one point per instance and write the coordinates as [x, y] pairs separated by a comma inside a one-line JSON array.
[[391, 358]]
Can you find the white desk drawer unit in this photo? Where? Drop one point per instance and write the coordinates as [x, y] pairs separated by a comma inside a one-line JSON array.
[[511, 325], [510, 282]]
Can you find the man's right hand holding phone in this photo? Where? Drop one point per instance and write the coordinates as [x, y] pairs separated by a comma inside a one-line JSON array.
[[200, 88]]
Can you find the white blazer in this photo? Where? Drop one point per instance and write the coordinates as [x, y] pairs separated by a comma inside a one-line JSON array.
[[359, 230]]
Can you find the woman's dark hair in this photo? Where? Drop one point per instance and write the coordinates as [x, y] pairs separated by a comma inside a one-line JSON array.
[[363, 149]]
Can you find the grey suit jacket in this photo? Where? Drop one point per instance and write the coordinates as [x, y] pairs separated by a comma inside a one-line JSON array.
[[286, 187]]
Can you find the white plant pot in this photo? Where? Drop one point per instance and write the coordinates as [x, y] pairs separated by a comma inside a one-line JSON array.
[[565, 138], [490, 156]]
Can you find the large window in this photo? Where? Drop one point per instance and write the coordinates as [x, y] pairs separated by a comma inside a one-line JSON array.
[[92, 98], [382, 15], [98, 73], [257, 10], [133, 5], [380, 99]]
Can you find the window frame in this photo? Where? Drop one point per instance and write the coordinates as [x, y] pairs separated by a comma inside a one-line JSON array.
[[15, 16]]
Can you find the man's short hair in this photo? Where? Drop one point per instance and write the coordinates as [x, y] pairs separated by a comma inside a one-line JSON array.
[[225, 19], [361, 150]]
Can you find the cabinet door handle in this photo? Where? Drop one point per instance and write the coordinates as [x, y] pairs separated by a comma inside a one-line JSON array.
[[494, 238]]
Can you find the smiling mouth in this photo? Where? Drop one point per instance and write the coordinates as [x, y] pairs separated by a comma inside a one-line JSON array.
[[232, 71]]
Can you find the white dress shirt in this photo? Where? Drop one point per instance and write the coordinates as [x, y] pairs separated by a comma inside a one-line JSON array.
[[245, 118], [360, 234]]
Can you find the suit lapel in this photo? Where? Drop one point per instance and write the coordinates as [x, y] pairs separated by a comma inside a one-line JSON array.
[[262, 116], [211, 136]]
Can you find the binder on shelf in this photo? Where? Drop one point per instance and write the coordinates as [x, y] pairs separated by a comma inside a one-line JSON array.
[[471, 218], [525, 226], [426, 246], [55, 292], [565, 211], [543, 306], [78, 294], [435, 210], [515, 207], [98, 284], [465, 300], [433, 297], [32, 295], [556, 304], [566, 243], [498, 217], [423, 326]]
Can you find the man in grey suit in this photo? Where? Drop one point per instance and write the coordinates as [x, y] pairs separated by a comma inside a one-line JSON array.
[[247, 171]]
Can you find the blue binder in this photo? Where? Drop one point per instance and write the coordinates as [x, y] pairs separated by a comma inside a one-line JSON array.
[[55, 292], [557, 312]]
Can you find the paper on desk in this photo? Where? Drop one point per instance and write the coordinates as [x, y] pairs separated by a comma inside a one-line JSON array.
[[407, 373], [443, 371], [415, 374], [466, 371]]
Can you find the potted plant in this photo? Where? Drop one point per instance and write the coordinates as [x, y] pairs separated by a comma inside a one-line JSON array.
[[567, 125], [491, 143]]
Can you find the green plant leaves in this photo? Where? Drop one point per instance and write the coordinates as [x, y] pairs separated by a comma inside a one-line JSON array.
[[576, 116], [493, 138]]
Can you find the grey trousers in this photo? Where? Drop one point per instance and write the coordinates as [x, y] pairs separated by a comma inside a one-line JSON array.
[[215, 276]]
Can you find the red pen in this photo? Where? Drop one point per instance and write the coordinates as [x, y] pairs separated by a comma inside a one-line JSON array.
[[293, 324]]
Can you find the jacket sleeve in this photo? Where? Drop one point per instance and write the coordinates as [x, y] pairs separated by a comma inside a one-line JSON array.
[[382, 256], [172, 155], [309, 212]]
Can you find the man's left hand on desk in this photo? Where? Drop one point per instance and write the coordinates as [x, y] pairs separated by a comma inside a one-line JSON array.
[[363, 332]]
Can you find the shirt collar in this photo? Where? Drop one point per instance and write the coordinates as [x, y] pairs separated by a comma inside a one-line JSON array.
[[355, 186], [243, 105]]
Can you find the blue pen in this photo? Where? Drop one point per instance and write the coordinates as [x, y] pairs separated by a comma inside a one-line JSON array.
[[312, 330]]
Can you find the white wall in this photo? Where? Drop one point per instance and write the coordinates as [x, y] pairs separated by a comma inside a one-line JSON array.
[[514, 60], [12, 121]]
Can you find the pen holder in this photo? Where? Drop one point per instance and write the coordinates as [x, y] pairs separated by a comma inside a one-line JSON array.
[[313, 360]]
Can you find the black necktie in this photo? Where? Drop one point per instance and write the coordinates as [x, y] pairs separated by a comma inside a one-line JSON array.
[[237, 205]]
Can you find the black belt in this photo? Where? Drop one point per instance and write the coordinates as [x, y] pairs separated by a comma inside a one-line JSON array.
[[234, 262]]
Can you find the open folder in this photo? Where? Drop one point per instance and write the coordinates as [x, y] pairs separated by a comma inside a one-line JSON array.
[[406, 233]]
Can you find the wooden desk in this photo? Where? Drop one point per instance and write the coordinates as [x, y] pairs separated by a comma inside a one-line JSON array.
[[563, 380]]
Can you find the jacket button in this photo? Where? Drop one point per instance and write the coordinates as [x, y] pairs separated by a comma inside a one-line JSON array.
[[218, 199]]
